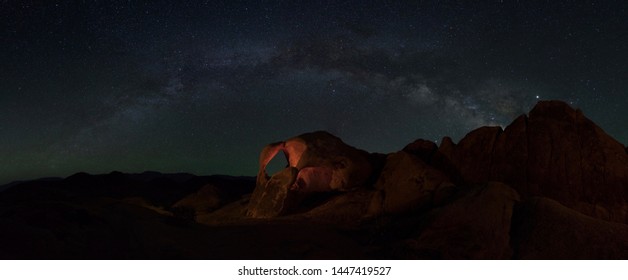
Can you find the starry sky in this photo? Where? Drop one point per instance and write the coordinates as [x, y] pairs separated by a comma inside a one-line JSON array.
[[202, 86]]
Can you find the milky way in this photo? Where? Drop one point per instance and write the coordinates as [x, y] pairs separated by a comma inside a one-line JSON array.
[[98, 86]]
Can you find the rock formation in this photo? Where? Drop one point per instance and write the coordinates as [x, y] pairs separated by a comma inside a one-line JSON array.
[[554, 152], [476, 226], [421, 148], [545, 229], [551, 185], [409, 184], [317, 162]]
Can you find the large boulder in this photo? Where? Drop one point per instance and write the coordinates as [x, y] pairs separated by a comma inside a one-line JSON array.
[[474, 154], [510, 155], [345, 210], [410, 184], [554, 152], [545, 229], [475, 226], [442, 160], [421, 148], [317, 162]]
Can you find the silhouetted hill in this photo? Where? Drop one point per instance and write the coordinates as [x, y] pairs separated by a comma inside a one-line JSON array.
[[37, 181], [551, 185]]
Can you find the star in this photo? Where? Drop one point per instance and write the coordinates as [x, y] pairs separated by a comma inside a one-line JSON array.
[[199, 87]]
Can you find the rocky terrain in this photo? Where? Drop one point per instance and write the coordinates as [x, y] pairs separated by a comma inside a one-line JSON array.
[[551, 185]]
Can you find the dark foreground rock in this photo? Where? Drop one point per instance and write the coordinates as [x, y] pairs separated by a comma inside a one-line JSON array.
[[546, 229], [476, 226], [407, 184]]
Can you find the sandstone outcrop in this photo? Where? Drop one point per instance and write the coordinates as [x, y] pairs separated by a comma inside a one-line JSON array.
[[475, 226], [410, 184], [421, 148], [546, 229], [554, 152], [317, 162]]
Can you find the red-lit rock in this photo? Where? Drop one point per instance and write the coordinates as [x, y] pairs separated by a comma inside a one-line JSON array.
[[317, 162]]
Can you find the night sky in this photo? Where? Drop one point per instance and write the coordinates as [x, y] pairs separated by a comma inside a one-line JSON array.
[[98, 86]]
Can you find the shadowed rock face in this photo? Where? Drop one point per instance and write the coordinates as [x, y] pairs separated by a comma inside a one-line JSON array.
[[476, 226], [555, 152], [546, 229], [409, 184], [421, 148], [317, 162]]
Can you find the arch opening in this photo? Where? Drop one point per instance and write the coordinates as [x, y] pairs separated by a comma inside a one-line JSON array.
[[277, 163]]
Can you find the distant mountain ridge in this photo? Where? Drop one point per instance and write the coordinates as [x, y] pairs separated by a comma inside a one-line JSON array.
[[15, 183]]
